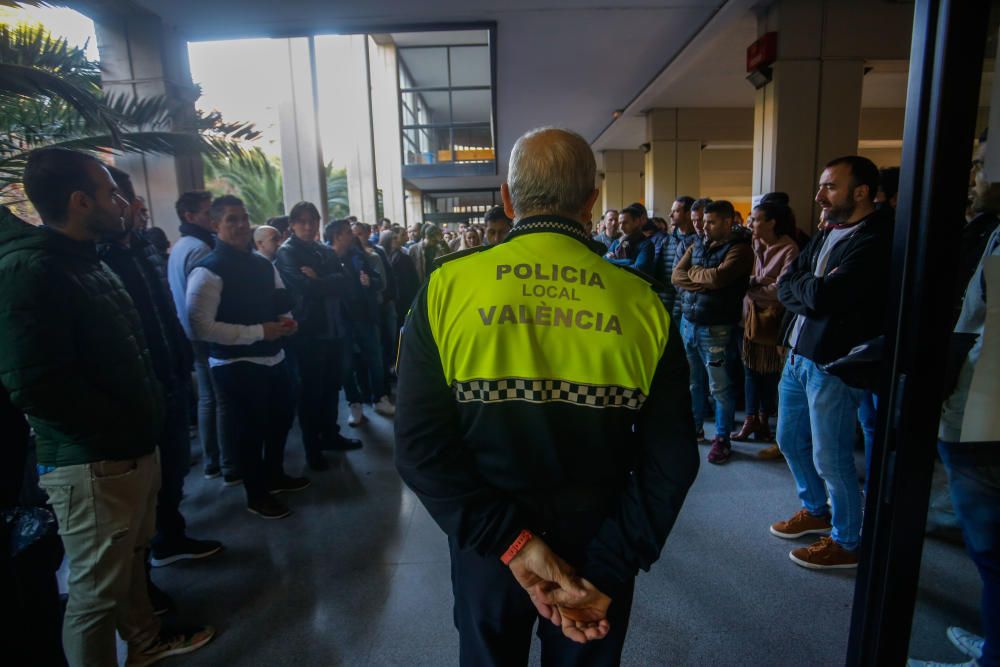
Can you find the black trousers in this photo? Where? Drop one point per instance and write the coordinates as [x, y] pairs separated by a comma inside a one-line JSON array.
[[320, 374], [495, 616], [175, 462], [258, 403]]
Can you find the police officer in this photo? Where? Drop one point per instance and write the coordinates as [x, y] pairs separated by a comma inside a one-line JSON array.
[[556, 461]]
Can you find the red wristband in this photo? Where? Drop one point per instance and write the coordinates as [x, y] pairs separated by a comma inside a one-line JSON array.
[[523, 538]]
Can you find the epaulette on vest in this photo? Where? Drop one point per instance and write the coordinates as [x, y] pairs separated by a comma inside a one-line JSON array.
[[458, 254], [653, 282]]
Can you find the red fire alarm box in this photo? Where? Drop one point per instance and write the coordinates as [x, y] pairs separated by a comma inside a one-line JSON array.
[[763, 52]]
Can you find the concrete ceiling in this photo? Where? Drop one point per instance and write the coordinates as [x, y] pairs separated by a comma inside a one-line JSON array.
[[570, 63]]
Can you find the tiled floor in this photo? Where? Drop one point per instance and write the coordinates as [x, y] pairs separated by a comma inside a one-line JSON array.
[[359, 575]]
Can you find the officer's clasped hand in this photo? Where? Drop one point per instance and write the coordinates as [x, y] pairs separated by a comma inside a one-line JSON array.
[[566, 600]]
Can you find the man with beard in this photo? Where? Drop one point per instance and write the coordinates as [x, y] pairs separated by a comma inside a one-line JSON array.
[[611, 230], [698, 215], [633, 250], [497, 226], [144, 275], [835, 296], [714, 274], [74, 358]]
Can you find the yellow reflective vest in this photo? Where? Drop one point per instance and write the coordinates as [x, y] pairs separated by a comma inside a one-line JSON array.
[[543, 318], [538, 381]]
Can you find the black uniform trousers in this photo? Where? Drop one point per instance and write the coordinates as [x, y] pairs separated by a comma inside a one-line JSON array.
[[259, 406], [495, 616]]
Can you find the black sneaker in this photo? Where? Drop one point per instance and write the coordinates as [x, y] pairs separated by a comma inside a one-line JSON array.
[[186, 548], [212, 472], [231, 480], [342, 444], [288, 483], [162, 603], [317, 463], [168, 645], [268, 508]]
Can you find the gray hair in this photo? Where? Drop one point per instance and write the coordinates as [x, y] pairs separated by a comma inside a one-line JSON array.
[[551, 170], [260, 232]]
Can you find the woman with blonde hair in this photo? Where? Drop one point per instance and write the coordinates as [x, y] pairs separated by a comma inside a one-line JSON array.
[[471, 239]]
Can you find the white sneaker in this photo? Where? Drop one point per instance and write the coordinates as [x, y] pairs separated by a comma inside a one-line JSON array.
[[966, 642], [928, 663], [384, 407], [357, 417]]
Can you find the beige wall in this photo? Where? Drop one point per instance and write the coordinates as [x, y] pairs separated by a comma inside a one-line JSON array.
[[623, 179], [385, 117], [140, 57]]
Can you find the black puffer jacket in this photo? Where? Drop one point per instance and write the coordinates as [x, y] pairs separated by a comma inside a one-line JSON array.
[[143, 272], [72, 352]]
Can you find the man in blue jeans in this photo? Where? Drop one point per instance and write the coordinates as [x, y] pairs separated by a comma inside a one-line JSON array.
[[970, 450], [835, 294], [714, 274]]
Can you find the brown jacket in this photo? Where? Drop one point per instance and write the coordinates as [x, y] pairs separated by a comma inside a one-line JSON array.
[[736, 265]]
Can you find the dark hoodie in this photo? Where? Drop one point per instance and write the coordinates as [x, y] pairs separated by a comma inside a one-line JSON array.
[[72, 352]]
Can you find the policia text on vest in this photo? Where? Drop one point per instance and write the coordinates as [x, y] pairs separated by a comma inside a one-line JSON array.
[[533, 279]]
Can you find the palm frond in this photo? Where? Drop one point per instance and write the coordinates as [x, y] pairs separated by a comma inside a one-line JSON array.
[[18, 82], [34, 46], [162, 143]]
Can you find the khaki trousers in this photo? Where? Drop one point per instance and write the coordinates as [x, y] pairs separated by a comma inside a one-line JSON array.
[[107, 515]]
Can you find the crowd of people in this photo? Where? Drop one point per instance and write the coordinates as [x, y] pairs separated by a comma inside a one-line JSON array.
[[111, 337], [247, 325], [786, 305]]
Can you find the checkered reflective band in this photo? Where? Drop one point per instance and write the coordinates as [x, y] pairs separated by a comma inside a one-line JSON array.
[[548, 391], [551, 226]]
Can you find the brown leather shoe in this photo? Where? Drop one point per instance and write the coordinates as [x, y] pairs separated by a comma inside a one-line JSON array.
[[825, 554], [750, 427], [803, 523], [771, 453]]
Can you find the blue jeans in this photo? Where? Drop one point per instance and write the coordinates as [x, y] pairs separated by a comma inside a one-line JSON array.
[[817, 414], [868, 417], [974, 476], [211, 419], [706, 348]]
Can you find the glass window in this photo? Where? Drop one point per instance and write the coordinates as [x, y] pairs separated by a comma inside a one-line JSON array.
[[446, 98], [470, 65], [471, 106], [423, 67]]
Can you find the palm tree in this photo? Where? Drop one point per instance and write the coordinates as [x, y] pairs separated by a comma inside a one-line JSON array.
[[256, 180], [337, 201], [50, 96]]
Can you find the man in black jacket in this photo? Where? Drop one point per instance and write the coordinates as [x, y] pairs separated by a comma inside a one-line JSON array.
[[835, 294], [315, 277], [144, 274], [535, 401], [74, 359]]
